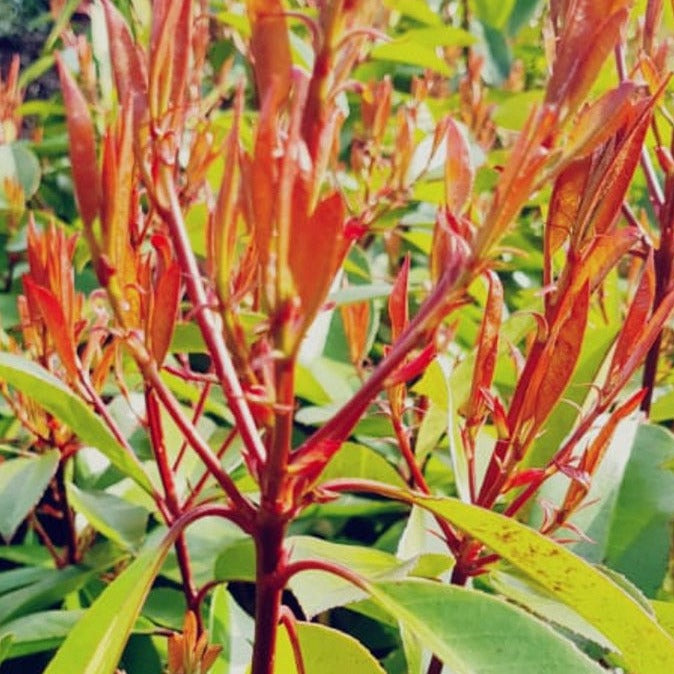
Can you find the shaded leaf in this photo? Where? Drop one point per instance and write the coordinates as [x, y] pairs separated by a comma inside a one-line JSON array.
[[22, 483]]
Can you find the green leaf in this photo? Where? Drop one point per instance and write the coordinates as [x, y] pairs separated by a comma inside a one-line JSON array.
[[39, 631], [417, 10], [494, 14], [357, 461], [17, 578], [187, 338], [232, 628], [19, 164], [643, 644], [166, 606], [50, 589], [410, 53], [474, 632], [324, 650], [5, 646], [22, 483], [95, 644], [639, 530], [117, 519], [55, 397]]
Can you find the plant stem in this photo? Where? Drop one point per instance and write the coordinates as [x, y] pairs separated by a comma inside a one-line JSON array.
[[222, 362], [270, 562]]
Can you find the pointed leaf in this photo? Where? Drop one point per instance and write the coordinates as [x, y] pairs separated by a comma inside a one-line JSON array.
[[643, 644], [22, 482], [472, 631], [57, 327], [96, 643], [164, 311], [50, 393], [117, 519], [82, 146], [398, 300], [459, 173], [487, 347]]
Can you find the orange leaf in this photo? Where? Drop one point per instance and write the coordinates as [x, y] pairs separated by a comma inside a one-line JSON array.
[[82, 148], [565, 203], [58, 329], [128, 68], [487, 349], [597, 122], [459, 172], [591, 30], [356, 321], [166, 301], [637, 316], [398, 310], [270, 49], [317, 249]]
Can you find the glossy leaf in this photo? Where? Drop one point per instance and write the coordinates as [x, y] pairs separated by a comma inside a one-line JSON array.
[[325, 650], [642, 643], [22, 482], [474, 632], [398, 309], [40, 385]]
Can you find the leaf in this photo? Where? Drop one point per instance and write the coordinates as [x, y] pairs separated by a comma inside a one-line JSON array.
[[82, 146], [642, 643], [118, 520], [409, 52], [459, 173], [474, 632], [95, 644], [494, 14], [415, 9], [57, 399], [37, 632], [22, 483], [166, 302], [232, 628], [18, 164], [487, 349], [353, 460], [325, 650], [321, 237], [643, 512], [57, 326], [398, 301], [52, 587], [270, 49]]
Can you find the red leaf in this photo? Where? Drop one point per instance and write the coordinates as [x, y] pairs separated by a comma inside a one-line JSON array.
[[487, 350], [637, 316], [57, 327], [82, 148], [356, 321], [459, 174], [414, 367], [128, 68], [591, 30], [398, 310], [166, 301]]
